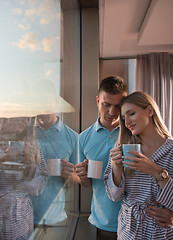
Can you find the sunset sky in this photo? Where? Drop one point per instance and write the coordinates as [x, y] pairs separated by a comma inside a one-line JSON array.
[[30, 52]]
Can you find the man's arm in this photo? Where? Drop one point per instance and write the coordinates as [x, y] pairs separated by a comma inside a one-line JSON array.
[[163, 216]]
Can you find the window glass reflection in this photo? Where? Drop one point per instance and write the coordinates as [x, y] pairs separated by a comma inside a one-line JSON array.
[[59, 145], [22, 173], [33, 196]]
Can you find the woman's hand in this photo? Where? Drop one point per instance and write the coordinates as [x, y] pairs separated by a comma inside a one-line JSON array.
[[116, 164], [146, 165], [31, 154], [143, 164], [116, 157]]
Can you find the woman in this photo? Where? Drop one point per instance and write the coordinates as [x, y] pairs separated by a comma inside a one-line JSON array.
[[149, 178], [22, 172]]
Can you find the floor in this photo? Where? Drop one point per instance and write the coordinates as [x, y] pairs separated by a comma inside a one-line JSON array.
[[75, 227]]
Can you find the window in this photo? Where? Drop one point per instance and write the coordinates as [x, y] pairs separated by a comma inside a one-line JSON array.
[[39, 77]]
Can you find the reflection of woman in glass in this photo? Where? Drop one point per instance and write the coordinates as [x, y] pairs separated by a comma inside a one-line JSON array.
[[149, 177], [21, 169]]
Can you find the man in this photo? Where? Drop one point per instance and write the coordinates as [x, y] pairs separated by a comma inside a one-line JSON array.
[[57, 141], [95, 144]]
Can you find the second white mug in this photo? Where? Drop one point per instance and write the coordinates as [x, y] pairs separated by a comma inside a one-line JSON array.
[[95, 169], [54, 167]]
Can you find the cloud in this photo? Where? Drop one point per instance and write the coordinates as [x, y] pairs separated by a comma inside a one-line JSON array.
[[32, 2], [45, 10], [31, 13], [57, 38], [22, 2], [48, 72], [24, 27], [29, 40], [17, 11], [47, 44], [44, 21]]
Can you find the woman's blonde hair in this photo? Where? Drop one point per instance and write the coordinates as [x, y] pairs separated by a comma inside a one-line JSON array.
[[143, 100]]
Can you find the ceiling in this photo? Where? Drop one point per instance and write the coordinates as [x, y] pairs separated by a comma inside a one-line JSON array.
[[131, 27]]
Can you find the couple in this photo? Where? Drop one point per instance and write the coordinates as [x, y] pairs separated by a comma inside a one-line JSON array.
[[148, 180]]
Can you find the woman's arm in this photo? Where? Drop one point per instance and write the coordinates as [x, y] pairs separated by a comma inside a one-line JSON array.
[[37, 184], [113, 176]]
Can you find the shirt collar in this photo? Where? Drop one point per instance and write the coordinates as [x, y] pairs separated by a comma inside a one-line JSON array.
[[98, 126], [58, 125]]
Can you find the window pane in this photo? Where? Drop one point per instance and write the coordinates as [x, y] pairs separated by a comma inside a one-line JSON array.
[[39, 119]]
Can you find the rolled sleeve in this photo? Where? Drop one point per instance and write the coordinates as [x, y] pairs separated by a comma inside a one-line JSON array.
[[114, 193], [166, 196]]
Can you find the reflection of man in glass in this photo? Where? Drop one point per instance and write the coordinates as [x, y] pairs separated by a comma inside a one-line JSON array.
[[21, 169], [57, 141]]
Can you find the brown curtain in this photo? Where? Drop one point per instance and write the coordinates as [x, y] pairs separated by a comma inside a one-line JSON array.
[[154, 75]]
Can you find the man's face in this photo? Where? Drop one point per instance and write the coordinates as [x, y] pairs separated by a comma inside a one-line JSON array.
[[108, 106], [46, 120]]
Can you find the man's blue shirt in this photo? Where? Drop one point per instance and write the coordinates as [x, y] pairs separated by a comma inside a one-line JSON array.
[[58, 141], [95, 143]]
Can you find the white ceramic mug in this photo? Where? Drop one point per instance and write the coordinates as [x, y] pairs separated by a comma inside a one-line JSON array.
[[54, 167], [95, 169], [130, 147]]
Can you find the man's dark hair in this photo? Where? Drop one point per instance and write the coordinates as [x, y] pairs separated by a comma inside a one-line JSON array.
[[113, 85]]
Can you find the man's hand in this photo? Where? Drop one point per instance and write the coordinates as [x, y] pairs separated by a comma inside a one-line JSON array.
[[67, 169], [81, 171], [163, 216]]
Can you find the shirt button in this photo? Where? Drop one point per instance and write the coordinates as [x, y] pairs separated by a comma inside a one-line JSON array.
[[110, 136]]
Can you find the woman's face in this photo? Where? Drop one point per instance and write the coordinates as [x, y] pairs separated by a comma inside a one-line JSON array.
[[136, 119]]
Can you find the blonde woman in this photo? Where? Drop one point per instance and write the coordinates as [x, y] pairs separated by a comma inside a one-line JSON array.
[[148, 180]]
